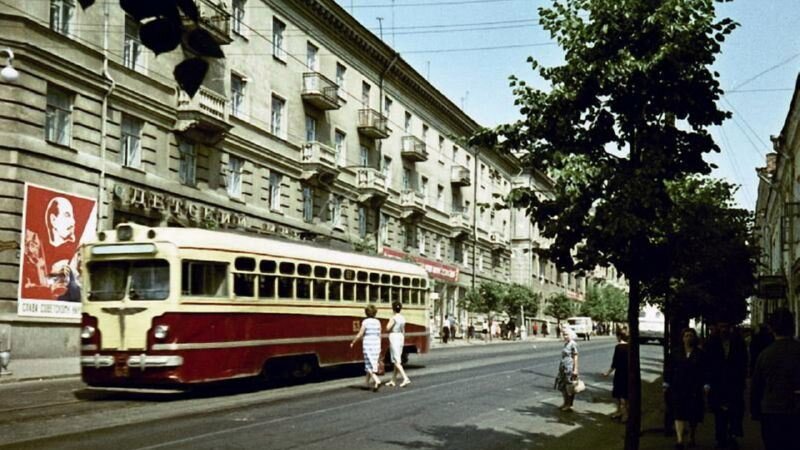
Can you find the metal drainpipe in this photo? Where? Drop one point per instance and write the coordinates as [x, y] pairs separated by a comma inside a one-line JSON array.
[[378, 246], [104, 116]]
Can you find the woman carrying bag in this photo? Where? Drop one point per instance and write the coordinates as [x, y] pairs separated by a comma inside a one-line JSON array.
[[567, 379]]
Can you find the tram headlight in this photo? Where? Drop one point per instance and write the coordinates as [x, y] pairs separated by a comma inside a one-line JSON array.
[[160, 331], [87, 332]]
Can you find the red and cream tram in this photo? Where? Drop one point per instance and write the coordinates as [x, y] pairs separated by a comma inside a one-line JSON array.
[[164, 307]]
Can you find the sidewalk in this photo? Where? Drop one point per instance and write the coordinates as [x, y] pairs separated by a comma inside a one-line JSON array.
[[41, 369]]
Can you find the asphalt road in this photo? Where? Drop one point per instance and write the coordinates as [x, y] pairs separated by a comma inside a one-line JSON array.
[[478, 397]]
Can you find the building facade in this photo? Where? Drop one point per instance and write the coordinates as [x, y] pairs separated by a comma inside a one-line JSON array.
[[311, 128], [777, 227]]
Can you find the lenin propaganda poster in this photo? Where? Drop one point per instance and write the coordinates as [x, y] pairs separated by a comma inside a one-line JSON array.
[[54, 225]]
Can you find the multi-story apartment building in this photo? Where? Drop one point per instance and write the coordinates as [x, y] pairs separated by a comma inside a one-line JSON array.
[[310, 128], [777, 226]]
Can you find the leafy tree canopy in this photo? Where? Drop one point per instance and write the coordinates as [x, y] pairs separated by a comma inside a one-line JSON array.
[[560, 307]]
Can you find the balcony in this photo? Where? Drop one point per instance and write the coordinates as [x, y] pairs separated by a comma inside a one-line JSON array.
[[414, 149], [497, 241], [320, 92], [318, 162], [214, 18], [204, 118], [371, 185], [459, 176], [459, 224], [372, 124], [412, 205]]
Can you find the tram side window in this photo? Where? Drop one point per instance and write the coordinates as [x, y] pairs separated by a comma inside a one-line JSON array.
[[385, 280], [285, 287], [266, 286], [204, 278], [395, 294], [244, 284], [303, 288], [374, 292]]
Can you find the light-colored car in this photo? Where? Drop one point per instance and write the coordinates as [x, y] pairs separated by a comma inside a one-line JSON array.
[[582, 326], [651, 324]]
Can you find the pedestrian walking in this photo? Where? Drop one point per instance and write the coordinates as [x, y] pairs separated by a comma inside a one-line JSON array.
[[446, 329], [775, 386], [727, 363], [397, 329], [470, 331], [544, 329], [567, 369], [512, 329], [453, 327], [619, 365], [758, 342], [685, 382], [371, 333]]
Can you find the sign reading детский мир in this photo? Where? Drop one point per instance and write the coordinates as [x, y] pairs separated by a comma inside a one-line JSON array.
[[54, 225]]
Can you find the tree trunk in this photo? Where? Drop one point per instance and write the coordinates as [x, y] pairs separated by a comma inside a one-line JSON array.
[[633, 426]]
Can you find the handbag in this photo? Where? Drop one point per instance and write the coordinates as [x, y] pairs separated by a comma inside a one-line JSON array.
[[578, 386]]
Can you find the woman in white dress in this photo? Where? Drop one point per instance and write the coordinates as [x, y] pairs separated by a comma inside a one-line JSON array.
[[397, 329], [371, 332]]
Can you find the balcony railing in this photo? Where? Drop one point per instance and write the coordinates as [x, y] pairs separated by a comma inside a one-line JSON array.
[[320, 91], [459, 176], [205, 116], [372, 124], [459, 224], [319, 163], [371, 185], [214, 18], [412, 204], [414, 149], [497, 240]]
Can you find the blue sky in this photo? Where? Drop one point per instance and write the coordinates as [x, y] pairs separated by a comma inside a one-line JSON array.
[[468, 48]]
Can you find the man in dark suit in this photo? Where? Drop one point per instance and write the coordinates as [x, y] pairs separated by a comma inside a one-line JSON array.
[[727, 362]]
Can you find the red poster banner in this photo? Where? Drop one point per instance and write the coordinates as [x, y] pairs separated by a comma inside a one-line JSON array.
[[54, 225], [435, 269]]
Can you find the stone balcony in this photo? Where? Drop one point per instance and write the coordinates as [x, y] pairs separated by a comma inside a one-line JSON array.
[[214, 18], [320, 92], [372, 124], [318, 162], [459, 176], [204, 118], [497, 241], [371, 185], [413, 149], [412, 205], [460, 226]]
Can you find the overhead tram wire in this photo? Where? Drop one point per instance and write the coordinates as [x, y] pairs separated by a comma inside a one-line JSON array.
[[735, 166], [741, 117]]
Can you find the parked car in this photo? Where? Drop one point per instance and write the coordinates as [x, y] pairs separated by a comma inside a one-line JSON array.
[[582, 326], [651, 324]]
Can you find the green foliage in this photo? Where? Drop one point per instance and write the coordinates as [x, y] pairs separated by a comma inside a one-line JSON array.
[[560, 307], [517, 296], [604, 303], [492, 297]]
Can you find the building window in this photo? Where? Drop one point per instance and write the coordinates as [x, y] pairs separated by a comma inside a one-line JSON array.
[[237, 7], [133, 53], [383, 229], [311, 129], [312, 60], [421, 242], [275, 180], [362, 222], [308, 204], [458, 251], [237, 94], [278, 45], [365, 88], [387, 106], [425, 133], [423, 189], [61, 13], [340, 147], [406, 179], [58, 122], [131, 136], [387, 171], [235, 169], [277, 123], [480, 263], [439, 249], [188, 163], [340, 72], [335, 211], [407, 123], [363, 156], [440, 197], [410, 231]]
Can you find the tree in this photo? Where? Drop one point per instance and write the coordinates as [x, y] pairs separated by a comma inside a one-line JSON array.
[[519, 296], [162, 30], [560, 307], [628, 111], [604, 303], [487, 299]]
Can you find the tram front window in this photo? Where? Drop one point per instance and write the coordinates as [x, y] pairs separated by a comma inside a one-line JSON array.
[[140, 280]]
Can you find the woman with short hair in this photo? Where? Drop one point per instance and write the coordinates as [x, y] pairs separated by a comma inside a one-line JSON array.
[[371, 332], [397, 329], [567, 368]]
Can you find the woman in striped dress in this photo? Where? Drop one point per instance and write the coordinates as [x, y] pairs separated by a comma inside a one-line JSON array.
[[371, 332]]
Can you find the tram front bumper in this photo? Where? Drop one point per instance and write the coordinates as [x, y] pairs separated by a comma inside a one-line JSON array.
[[142, 361]]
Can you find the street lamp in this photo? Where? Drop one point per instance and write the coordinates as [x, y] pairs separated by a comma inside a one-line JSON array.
[[9, 74]]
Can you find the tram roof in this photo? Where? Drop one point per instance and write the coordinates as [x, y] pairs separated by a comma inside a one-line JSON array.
[[280, 248]]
